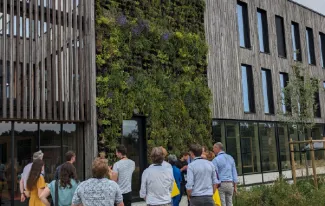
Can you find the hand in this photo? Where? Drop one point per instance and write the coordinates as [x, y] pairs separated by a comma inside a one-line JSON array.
[[22, 198], [235, 189]]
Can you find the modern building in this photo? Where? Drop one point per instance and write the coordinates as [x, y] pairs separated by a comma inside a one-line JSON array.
[[47, 87], [252, 46]]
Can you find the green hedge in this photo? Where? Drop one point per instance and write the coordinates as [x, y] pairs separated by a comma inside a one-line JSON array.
[[152, 61]]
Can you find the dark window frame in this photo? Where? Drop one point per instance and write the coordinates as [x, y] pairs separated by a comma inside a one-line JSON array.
[[322, 48], [246, 30], [265, 30], [269, 90], [250, 88], [285, 84], [310, 46], [295, 29], [280, 33]]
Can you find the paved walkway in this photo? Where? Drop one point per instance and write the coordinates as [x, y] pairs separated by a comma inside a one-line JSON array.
[[183, 203]]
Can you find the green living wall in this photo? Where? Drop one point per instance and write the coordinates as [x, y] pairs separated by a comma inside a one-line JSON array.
[[151, 61]]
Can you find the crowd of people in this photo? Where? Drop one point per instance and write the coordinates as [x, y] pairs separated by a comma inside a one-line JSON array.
[[198, 173]]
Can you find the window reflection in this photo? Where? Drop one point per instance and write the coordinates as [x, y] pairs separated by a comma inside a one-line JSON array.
[[284, 147], [268, 147], [233, 144]]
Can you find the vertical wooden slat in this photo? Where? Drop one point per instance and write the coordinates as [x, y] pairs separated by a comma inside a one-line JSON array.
[[18, 82], [81, 57], [65, 77], [37, 75], [42, 94], [24, 62], [75, 62], [4, 61], [48, 60], [71, 72], [87, 62], [30, 70], [60, 68], [11, 49], [54, 50]]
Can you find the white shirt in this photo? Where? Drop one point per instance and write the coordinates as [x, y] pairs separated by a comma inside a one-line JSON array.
[[25, 173], [165, 164], [156, 185], [124, 168]]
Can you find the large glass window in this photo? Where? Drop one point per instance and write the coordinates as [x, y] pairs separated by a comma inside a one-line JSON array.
[[267, 91], [243, 25], [248, 88], [322, 48], [50, 144], [284, 146], [233, 143], [268, 147], [250, 148], [284, 79], [280, 36], [295, 35], [310, 46], [218, 132], [263, 34]]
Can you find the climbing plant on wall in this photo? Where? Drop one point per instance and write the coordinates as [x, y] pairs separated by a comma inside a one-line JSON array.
[[152, 61]]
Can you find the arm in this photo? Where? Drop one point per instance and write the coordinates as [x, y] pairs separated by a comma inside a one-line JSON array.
[[190, 182], [43, 196], [76, 200], [215, 180], [234, 176], [215, 164], [21, 187], [113, 173], [118, 196], [143, 190]]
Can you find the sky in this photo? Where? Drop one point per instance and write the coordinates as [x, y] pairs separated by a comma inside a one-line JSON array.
[[317, 5]]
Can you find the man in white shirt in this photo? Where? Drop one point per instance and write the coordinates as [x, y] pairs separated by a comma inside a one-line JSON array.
[[124, 169], [25, 174]]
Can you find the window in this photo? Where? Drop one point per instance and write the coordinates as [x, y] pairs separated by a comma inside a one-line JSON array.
[[248, 88], [284, 78], [267, 91], [317, 101], [310, 46], [263, 34], [324, 85], [243, 25], [280, 36], [295, 34], [322, 48], [268, 147]]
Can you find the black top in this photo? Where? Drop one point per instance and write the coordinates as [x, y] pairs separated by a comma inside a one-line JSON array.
[[180, 164]]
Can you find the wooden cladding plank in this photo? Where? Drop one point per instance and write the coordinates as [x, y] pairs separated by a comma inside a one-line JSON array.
[[18, 65], [25, 99], [4, 62], [30, 69], [43, 76], [87, 61], [65, 67], [60, 68], [81, 58], [75, 63], [70, 66], [11, 65], [36, 57], [49, 96], [54, 76]]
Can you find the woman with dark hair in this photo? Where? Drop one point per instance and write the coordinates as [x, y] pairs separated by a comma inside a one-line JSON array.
[[67, 185], [35, 183]]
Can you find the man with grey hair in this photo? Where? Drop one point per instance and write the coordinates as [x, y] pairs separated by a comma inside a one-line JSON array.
[[227, 174], [157, 181], [24, 176]]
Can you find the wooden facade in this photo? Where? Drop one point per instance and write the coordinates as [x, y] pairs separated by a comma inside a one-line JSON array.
[[226, 56], [47, 53]]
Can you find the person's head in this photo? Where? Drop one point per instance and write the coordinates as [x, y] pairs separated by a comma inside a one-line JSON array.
[[172, 159], [195, 150], [157, 155], [100, 168], [102, 155], [165, 153], [185, 156], [34, 173], [38, 155], [67, 172], [210, 156], [70, 156], [204, 149], [217, 147], [121, 151]]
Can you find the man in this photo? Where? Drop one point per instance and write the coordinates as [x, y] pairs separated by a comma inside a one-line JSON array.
[[201, 179], [182, 165], [25, 174], [164, 163], [157, 181], [70, 157], [227, 174], [124, 169], [98, 190]]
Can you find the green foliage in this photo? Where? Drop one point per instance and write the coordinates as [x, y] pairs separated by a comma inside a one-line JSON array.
[[282, 193], [299, 96], [151, 61]]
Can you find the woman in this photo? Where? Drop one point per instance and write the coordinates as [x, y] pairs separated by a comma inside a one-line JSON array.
[[205, 152], [210, 156], [67, 185], [172, 159], [35, 183]]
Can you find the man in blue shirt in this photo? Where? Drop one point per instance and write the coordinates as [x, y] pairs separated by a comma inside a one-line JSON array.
[[227, 174], [201, 179]]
